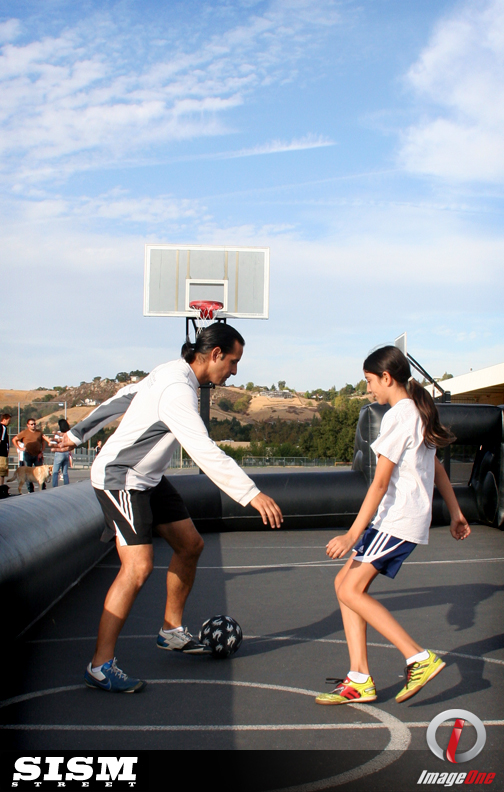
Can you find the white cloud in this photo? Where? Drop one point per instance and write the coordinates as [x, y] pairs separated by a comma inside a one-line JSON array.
[[304, 143], [280, 146], [459, 84], [71, 101], [332, 299], [9, 30]]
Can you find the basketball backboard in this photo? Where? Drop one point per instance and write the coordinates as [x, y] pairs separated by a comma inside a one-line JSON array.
[[401, 343], [177, 275]]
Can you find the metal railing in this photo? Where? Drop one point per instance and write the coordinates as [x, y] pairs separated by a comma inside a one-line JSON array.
[[289, 462], [82, 460]]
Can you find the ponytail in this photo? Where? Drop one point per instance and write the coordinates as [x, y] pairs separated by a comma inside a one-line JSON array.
[[391, 359], [187, 352], [435, 434]]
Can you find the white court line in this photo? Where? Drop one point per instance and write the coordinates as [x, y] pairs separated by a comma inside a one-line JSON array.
[[291, 638], [400, 735], [226, 727], [318, 564]]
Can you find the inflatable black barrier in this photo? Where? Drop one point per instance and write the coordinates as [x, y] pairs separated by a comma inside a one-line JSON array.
[[479, 426], [47, 543]]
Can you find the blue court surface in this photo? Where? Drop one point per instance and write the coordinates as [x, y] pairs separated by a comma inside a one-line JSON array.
[[259, 705]]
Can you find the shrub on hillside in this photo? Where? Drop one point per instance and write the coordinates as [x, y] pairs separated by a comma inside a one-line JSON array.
[[241, 405]]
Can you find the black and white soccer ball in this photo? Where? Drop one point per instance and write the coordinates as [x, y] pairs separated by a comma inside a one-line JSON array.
[[222, 634]]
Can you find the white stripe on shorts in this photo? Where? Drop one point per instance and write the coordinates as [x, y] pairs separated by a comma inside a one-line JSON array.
[[377, 543], [122, 540], [375, 549], [122, 506]]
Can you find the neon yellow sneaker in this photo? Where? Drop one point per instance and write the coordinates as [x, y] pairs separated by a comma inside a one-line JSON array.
[[348, 692], [418, 674]]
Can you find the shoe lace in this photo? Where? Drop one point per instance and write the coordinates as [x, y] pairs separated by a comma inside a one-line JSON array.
[[411, 672], [117, 671], [334, 681]]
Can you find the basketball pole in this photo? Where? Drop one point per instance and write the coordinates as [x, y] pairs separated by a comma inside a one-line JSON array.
[[204, 401]]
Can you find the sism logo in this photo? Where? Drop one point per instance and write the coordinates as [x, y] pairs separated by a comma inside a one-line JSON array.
[[67, 772], [448, 779]]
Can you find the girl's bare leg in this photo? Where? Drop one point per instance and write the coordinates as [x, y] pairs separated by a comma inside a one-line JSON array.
[[355, 626], [352, 593]]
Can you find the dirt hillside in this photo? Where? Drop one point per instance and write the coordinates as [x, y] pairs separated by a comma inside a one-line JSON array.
[[260, 408]]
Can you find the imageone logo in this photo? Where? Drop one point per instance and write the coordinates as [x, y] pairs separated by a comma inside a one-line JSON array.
[[460, 716], [448, 779]]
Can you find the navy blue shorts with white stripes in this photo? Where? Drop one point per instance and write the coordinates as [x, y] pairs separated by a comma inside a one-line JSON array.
[[131, 515], [384, 551]]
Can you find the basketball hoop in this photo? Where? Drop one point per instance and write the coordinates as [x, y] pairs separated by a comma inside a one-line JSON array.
[[206, 310]]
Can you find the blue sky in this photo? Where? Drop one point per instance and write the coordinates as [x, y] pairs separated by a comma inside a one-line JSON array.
[[361, 141]]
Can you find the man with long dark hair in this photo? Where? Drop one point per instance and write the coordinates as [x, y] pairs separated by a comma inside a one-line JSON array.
[[160, 412]]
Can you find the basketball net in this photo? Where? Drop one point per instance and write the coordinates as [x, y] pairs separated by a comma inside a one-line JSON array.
[[207, 310]]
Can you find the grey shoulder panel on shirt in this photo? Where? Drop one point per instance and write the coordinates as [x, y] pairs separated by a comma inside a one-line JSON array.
[[108, 410], [117, 469]]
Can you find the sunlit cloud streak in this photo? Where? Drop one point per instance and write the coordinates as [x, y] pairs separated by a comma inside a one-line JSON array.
[[458, 82]]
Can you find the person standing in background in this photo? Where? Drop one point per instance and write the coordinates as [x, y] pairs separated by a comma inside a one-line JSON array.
[[61, 458], [4, 452], [32, 442]]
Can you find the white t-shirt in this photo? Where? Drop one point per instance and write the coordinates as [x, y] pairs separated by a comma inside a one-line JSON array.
[[406, 509], [160, 412]]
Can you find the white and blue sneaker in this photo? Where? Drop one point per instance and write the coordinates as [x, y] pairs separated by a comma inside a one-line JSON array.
[[111, 678], [181, 640]]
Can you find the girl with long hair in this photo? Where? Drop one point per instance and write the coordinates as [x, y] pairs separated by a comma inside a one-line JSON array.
[[400, 501]]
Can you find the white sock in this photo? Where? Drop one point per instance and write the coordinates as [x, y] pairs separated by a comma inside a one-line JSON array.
[[356, 676], [418, 657], [174, 629]]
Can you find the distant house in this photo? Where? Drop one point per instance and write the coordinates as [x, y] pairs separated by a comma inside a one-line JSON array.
[[284, 394]]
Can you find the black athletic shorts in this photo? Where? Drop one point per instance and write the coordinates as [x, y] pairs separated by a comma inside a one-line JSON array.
[[131, 515]]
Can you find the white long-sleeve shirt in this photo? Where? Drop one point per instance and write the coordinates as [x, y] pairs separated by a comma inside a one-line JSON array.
[[159, 412]]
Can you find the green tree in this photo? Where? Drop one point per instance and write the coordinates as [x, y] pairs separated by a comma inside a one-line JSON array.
[[241, 405], [334, 434], [123, 376], [230, 430], [225, 405]]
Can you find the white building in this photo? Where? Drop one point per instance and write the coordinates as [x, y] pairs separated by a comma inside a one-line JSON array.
[[485, 386]]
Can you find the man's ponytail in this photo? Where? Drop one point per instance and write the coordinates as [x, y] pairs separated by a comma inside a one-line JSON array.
[[188, 352]]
